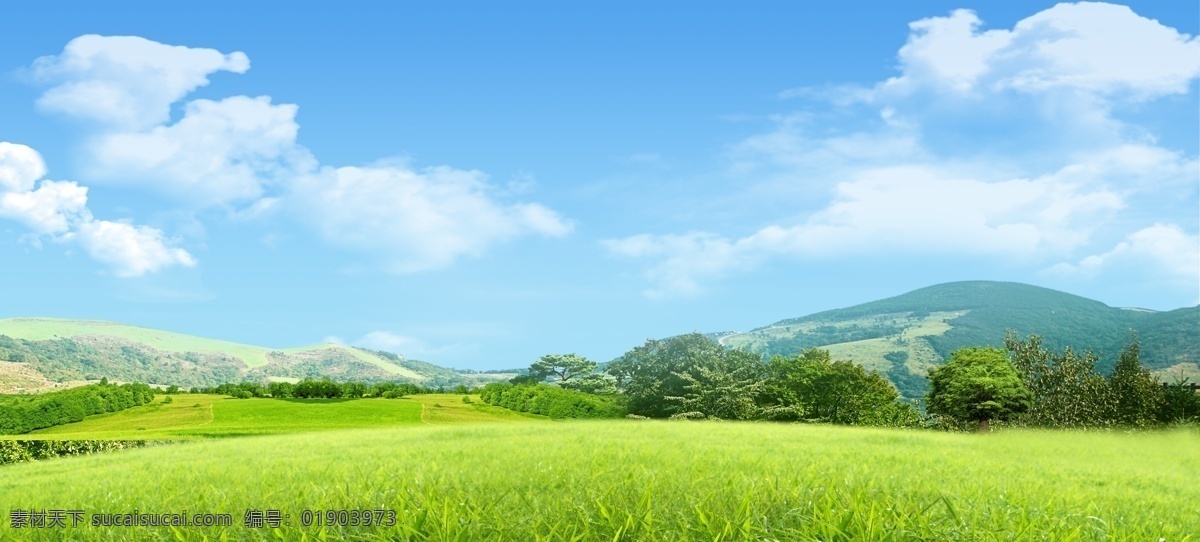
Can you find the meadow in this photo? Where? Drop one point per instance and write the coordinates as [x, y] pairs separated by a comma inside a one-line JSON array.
[[191, 416], [635, 480]]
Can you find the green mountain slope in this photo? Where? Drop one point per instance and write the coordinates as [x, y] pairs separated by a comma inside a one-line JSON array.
[[38, 352], [903, 336]]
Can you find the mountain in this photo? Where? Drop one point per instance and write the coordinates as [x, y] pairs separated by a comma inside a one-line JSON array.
[[40, 352], [904, 336]]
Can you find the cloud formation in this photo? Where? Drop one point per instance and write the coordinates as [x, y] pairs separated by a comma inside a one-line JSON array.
[[126, 81], [425, 218], [58, 210], [997, 144], [241, 154]]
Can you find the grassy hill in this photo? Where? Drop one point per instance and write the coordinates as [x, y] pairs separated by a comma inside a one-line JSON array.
[[635, 480], [39, 352], [903, 336]]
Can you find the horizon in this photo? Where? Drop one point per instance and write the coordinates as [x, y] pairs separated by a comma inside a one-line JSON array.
[[436, 362], [477, 188]]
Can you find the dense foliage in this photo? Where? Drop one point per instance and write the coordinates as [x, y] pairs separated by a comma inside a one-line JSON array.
[[978, 385], [692, 376], [318, 389], [25, 413], [658, 376], [18, 451], [1068, 392], [815, 387], [552, 401]]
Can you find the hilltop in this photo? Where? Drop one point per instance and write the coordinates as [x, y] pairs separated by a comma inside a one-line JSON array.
[[904, 336], [41, 352]]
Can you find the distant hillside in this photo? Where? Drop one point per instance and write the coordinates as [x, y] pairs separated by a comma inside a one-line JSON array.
[[903, 336], [38, 352]]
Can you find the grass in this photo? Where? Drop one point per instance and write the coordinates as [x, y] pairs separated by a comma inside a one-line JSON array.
[[190, 416], [41, 329], [629, 480]]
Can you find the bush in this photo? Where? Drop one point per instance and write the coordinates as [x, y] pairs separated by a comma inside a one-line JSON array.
[[22, 414], [551, 401]]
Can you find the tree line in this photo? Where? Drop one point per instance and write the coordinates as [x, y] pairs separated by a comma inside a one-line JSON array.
[[311, 388], [25, 413], [693, 377]]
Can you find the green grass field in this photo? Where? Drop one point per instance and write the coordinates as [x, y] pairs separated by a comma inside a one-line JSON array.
[[191, 416], [636, 480]]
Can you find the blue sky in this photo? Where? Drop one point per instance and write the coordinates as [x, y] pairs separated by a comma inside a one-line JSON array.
[[478, 184]]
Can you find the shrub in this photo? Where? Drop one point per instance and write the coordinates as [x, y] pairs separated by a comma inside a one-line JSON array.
[[551, 401]]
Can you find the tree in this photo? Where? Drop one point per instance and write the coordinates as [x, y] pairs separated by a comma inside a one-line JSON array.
[[593, 383], [1067, 391], [652, 375], [977, 385], [724, 388], [563, 366], [1135, 391], [813, 386]]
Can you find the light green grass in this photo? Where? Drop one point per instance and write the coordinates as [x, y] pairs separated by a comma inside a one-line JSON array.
[[191, 416], [40, 329], [629, 480]]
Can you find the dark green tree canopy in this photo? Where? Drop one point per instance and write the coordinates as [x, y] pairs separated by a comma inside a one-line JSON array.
[[815, 387], [660, 374], [562, 366], [978, 385]]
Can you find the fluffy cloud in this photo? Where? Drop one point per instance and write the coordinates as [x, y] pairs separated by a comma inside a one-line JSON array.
[[59, 209], [126, 81], [902, 208], [131, 251], [993, 144], [1091, 47], [241, 154], [1164, 250], [219, 152], [419, 220]]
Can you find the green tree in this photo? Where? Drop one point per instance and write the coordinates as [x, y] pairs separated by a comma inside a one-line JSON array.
[[563, 366], [652, 375], [1136, 393], [725, 387], [1067, 391], [593, 383], [813, 386], [977, 385]]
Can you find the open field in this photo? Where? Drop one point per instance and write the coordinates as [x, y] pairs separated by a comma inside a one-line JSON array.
[[191, 416], [631, 480]]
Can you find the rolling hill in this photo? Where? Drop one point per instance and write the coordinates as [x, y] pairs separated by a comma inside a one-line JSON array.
[[41, 352], [904, 336]]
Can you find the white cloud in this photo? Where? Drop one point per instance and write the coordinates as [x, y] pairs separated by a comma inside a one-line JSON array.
[[391, 342], [1160, 251], [417, 220], [1089, 47], [908, 209], [59, 209], [20, 167], [131, 251], [241, 154], [51, 209], [127, 81], [219, 152], [991, 144], [684, 260]]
